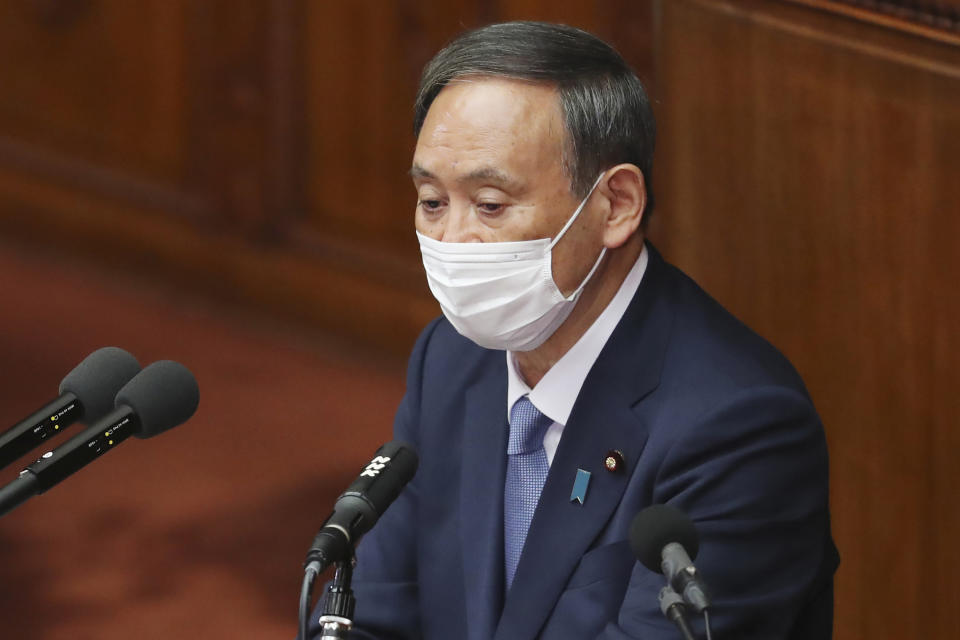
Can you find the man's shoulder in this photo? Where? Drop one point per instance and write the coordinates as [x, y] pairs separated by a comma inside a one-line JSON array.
[[710, 348]]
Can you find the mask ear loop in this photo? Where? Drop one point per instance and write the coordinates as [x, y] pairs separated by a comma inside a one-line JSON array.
[[596, 264], [603, 251], [576, 213]]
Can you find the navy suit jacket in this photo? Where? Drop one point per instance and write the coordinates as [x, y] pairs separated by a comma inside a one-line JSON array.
[[709, 417]]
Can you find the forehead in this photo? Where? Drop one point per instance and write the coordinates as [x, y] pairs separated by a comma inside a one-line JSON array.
[[514, 125]]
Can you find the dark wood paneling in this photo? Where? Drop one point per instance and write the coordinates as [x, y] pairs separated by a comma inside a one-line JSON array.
[[360, 86], [98, 80], [936, 19], [808, 179]]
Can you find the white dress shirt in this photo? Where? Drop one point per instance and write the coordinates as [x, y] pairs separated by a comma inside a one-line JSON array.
[[556, 392]]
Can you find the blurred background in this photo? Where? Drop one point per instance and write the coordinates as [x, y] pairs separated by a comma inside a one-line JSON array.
[[224, 184]]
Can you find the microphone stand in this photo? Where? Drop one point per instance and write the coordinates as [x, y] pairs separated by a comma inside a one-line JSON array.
[[337, 617]]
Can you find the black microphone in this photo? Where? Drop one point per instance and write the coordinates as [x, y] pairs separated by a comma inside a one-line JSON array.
[[159, 398], [86, 394], [362, 504], [661, 537]]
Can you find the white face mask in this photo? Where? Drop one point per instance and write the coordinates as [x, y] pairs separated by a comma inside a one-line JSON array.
[[501, 295]]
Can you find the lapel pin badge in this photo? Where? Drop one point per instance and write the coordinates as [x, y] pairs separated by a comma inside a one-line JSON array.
[[580, 484], [614, 461]]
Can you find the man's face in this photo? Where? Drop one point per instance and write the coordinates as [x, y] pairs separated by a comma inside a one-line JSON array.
[[488, 167]]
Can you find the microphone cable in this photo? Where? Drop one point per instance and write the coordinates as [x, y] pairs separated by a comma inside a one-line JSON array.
[[306, 596]]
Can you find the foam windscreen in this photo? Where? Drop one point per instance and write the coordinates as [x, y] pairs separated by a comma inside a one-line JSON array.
[[97, 379], [163, 395], [657, 526]]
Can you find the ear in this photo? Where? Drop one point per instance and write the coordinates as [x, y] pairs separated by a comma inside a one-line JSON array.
[[626, 192]]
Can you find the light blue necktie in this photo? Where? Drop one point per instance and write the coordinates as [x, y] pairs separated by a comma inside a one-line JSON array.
[[527, 469]]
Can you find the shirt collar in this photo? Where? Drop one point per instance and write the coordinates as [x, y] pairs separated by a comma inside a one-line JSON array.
[[556, 392]]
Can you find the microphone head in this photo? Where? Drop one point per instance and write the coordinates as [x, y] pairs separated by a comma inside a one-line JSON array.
[[163, 395], [403, 462], [97, 379], [379, 484], [657, 526]]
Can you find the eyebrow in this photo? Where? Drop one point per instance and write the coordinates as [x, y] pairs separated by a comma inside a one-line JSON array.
[[486, 174], [416, 171]]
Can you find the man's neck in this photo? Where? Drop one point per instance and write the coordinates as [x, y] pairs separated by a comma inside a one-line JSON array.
[[533, 365]]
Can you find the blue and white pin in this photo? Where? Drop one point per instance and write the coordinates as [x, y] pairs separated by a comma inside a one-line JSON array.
[[580, 484]]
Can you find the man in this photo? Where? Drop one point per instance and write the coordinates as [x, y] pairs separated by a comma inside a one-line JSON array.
[[569, 347]]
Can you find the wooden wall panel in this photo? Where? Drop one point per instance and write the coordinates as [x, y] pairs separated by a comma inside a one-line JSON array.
[[360, 88], [95, 80], [808, 176], [935, 19], [160, 105]]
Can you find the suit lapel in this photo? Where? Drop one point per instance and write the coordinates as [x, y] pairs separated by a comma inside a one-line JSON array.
[[602, 419], [481, 497]]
